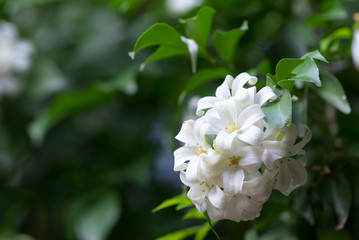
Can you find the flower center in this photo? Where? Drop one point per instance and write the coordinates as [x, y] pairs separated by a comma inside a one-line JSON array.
[[232, 129], [234, 161], [200, 150]]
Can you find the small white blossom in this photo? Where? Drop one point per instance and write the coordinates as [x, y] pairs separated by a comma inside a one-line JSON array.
[[14, 57], [231, 158]]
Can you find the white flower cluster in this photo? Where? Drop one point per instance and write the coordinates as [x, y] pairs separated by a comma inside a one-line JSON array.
[[14, 57], [232, 159]]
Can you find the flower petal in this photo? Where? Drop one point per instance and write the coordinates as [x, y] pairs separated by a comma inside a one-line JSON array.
[[249, 116], [223, 91], [299, 146], [205, 103], [264, 95], [186, 135], [242, 79], [233, 180], [193, 51], [252, 135], [217, 197], [181, 155]]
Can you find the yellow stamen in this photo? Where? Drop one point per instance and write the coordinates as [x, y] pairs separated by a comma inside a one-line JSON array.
[[206, 184], [200, 150], [232, 129], [234, 161]]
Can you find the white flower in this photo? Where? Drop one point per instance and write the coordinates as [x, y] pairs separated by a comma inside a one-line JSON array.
[[182, 6], [232, 159], [355, 41], [14, 57], [235, 88]]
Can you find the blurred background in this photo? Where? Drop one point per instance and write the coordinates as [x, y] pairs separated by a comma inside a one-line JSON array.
[[86, 138]]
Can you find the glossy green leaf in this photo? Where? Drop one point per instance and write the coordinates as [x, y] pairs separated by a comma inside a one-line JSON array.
[[271, 81], [98, 218], [285, 68], [180, 201], [159, 34], [315, 55], [163, 52], [279, 114], [330, 43], [199, 27], [333, 92], [202, 232], [180, 234], [307, 72], [226, 42], [193, 214]]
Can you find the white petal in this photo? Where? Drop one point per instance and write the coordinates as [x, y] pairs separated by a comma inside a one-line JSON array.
[[186, 134], [193, 51], [298, 172], [217, 197], [197, 195], [252, 135], [212, 164], [242, 79], [249, 116], [192, 169], [227, 111], [223, 91], [233, 180], [264, 95], [224, 141], [299, 146], [200, 130], [181, 155], [283, 179], [355, 48], [257, 188], [269, 158], [205, 103], [214, 213]]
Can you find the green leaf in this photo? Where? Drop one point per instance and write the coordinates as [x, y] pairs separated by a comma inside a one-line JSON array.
[[333, 92], [331, 42], [285, 68], [204, 76], [330, 10], [98, 218], [279, 114], [164, 52], [182, 201], [199, 27], [315, 55], [307, 72], [202, 232], [159, 34], [180, 234], [337, 194], [69, 103], [193, 214], [271, 81], [226, 42], [251, 234]]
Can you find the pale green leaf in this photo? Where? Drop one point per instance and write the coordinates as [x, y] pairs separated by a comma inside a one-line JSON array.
[[315, 55], [98, 218], [307, 72], [199, 27], [180, 234], [202, 232], [160, 34], [226, 42], [333, 92], [180, 201], [164, 52], [193, 214], [279, 114]]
